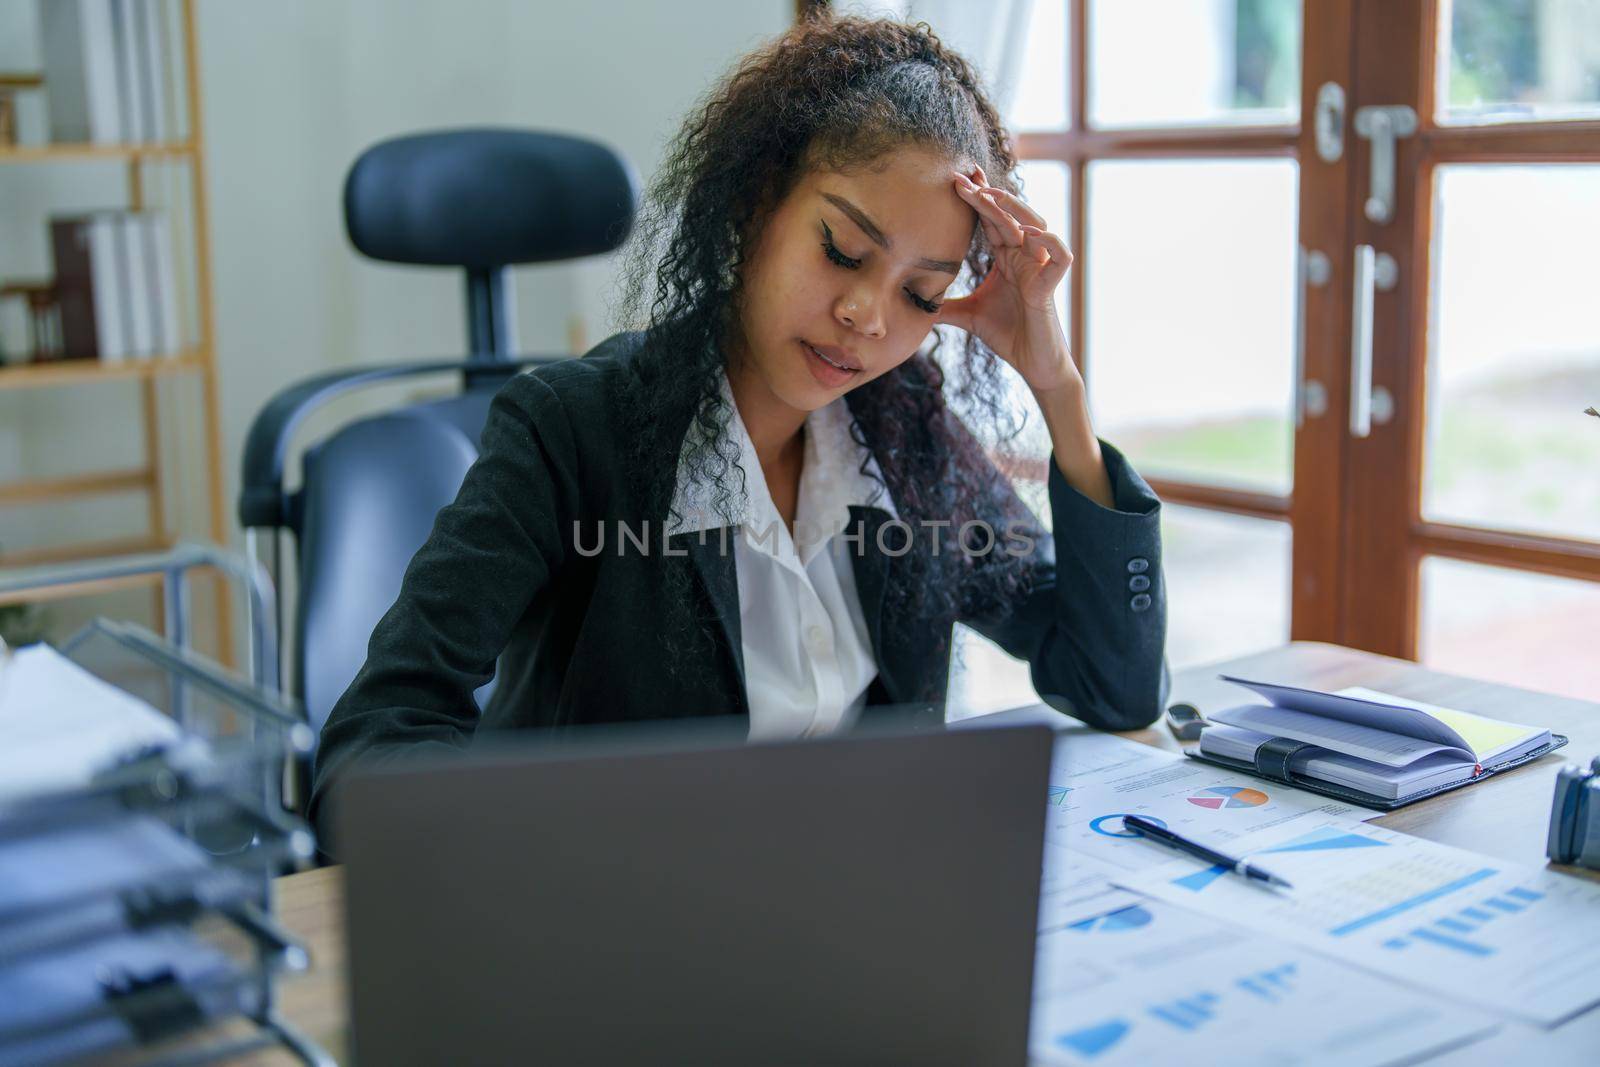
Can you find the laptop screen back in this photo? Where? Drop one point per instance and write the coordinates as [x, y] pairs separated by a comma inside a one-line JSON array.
[[850, 900]]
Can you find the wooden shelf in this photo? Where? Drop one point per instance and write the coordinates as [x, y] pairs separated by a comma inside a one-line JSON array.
[[75, 371], [68, 153], [82, 550], [186, 150], [41, 490]]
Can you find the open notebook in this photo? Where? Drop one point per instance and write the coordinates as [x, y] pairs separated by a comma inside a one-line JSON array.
[[1363, 745]]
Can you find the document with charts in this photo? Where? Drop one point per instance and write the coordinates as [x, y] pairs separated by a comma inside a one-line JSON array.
[[1094, 783], [1124, 980], [1512, 938]]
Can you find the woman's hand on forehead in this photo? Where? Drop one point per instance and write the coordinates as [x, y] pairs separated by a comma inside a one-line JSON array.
[[1013, 309]]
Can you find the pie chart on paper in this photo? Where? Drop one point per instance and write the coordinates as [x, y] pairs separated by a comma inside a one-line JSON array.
[[1229, 796]]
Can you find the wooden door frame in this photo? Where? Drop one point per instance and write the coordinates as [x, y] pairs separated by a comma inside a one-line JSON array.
[[1385, 535], [1327, 56], [1312, 508]]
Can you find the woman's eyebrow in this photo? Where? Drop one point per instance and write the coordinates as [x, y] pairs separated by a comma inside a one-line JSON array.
[[879, 238]]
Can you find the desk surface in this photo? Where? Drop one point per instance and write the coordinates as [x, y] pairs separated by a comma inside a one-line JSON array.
[[1505, 817]]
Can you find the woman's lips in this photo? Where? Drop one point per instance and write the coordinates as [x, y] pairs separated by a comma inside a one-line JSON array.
[[842, 358], [826, 371]]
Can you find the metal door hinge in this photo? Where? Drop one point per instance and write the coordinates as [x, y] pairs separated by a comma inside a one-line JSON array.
[[1328, 122], [1311, 396]]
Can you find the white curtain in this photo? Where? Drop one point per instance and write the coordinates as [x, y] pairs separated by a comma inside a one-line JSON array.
[[991, 34]]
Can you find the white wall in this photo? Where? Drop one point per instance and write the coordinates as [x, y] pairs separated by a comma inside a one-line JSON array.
[[293, 91]]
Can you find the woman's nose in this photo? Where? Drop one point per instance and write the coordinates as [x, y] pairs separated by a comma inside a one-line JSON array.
[[861, 314]]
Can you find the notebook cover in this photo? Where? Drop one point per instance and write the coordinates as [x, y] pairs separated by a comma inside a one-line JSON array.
[[1369, 800]]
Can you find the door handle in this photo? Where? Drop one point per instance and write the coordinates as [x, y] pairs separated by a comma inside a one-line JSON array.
[[1383, 126], [1374, 270]]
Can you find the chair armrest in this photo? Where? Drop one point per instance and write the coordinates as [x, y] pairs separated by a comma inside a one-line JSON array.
[[261, 497]]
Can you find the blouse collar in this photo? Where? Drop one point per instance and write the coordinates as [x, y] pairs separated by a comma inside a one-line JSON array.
[[837, 473]]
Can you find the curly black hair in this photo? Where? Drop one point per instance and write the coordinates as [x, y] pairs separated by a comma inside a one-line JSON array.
[[835, 94]]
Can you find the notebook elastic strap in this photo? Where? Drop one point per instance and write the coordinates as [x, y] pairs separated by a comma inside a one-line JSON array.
[[1272, 758]]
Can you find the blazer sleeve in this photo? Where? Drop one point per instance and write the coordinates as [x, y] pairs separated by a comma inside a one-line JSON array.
[[1093, 624], [488, 555]]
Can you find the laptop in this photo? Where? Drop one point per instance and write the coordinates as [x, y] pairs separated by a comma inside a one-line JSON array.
[[854, 899]]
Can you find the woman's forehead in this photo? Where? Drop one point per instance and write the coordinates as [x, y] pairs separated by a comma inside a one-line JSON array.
[[908, 199]]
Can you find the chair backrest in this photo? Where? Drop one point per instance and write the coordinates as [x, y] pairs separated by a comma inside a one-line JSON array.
[[486, 198], [479, 199], [368, 499]]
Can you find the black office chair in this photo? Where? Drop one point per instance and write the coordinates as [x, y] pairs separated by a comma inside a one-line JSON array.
[[479, 199]]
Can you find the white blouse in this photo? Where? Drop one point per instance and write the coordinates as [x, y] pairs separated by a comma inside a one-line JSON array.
[[807, 657]]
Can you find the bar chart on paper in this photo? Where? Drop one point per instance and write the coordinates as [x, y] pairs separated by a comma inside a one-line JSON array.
[[1517, 939], [1457, 931], [1138, 982]]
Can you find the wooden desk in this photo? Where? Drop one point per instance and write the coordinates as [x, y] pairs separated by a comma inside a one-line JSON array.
[[1506, 817]]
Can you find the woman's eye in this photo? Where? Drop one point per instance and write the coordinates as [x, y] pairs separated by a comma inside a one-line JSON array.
[[833, 253], [839, 257]]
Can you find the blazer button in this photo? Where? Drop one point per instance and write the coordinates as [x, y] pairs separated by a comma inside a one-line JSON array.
[[1140, 602], [1139, 583], [1138, 565]]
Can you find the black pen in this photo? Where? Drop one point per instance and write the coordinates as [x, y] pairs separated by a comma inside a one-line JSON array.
[[1145, 828]]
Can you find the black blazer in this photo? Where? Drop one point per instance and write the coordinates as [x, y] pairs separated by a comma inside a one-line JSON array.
[[575, 636]]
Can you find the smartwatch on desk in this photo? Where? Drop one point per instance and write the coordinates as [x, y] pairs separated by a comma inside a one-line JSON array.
[[1185, 722]]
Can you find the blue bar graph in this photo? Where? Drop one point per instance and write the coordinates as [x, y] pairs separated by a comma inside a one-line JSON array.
[[1414, 902], [1191, 1013], [1471, 948], [1455, 924], [1506, 906], [1272, 986], [1477, 913], [1441, 940], [1278, 978], [1524, 894]]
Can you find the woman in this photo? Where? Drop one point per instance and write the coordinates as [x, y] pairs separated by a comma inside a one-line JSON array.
[[761, 504]]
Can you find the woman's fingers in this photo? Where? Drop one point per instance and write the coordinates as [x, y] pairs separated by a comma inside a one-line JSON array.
[[1049, 252], [1003, 220], [966, 187], [1034, 247], [1051, 243], [1008, 202], [990, 212], [1018, 207]]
